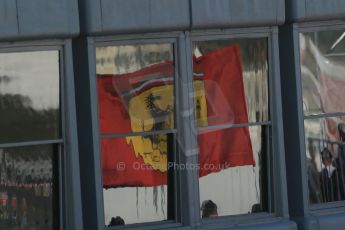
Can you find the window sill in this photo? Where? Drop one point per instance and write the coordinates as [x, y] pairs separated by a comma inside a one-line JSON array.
[[265, 220]]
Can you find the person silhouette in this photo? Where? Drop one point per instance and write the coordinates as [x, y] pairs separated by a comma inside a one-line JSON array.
[[209, 209]]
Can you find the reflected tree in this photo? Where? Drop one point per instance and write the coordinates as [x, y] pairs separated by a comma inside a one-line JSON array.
[[20, 121]]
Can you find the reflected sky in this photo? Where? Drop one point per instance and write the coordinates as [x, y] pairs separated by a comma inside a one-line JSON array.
[[32, 74], [322, 72]]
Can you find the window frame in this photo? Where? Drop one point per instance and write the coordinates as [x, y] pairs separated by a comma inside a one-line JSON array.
[[188, 206], [307, 28], [276, 184], [68, 157], [168, 38]]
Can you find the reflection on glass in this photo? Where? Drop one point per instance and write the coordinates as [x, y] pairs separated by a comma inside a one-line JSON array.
[[28, 191], [135, 175], [233, 177], [230, 81], [29, 96], [135, 88], [325, 151], [322, 67]]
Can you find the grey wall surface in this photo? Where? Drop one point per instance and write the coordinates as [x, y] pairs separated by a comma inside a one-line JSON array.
[[229, 13], [8, 18], [312, 10], [23, 19], [126, 16], [123, 16], [20, 19]]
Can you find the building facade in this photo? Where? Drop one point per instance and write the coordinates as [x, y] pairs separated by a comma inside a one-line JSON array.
[[179, 114]]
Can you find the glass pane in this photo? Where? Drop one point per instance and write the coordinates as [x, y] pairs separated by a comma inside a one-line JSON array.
[[233, 166], [29, 96], [325, 151], [323, 79], [28, 189], [135, 88], [230, 81], [135, 177]]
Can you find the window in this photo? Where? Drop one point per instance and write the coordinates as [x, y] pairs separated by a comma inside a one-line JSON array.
[[323, 83], [233, 125], [186, 128], [31, 139], [137, 127]]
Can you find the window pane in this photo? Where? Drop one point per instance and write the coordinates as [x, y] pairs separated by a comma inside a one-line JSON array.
[[230, 81], [29, 96], [322, 68], [233, 171], [28, 189], [135, 178], [135, 88], [325, 151]]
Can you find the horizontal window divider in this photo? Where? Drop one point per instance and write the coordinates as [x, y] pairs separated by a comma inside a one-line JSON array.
[[117, 135], [326, 141], [141, 38], [326, 206], [31, 47], [229, 126], [254, 32], [316, 26], [335, 55], [31, 143], [241, 219], [165, 224], [324, 115]]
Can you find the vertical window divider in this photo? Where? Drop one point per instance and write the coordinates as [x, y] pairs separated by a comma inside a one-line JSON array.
[[277, 182], [62, 149], [175, 158], [186, 141], [293, 119], [61, 186], [86, 100], [304, 176], [95, 131], [70, 150]]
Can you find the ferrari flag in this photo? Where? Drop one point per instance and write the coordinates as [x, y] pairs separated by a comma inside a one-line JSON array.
[[143, 101]]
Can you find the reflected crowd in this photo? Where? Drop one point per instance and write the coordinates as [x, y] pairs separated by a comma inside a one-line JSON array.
[[327, 184]]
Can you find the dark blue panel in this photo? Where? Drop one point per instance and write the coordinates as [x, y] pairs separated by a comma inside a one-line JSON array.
[[8, 19], [223, 13], [325, 9], [293, 120], [279, 225], [210, 13], [327, 221], [143, 15], [170, 13], [332, 222], [309, 10], [90, 16], [125, 14], [252, 12], [48, 17]]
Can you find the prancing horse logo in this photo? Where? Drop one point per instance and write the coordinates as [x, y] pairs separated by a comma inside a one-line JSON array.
[[153, 110]]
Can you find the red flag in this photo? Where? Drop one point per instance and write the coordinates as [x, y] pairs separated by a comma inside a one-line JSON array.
[[132, 161], [222, 70], [122, 101]]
